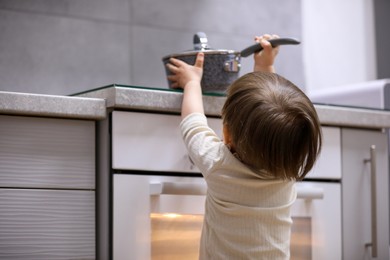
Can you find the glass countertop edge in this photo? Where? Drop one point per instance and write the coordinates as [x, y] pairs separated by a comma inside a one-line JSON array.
[[212, 94], [168, 90]]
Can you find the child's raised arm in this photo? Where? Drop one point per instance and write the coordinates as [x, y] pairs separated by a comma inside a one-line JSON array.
[[188, 78], [264, 60]]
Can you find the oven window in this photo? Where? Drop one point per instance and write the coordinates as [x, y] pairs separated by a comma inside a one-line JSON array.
[[301, 242], [175, 236]]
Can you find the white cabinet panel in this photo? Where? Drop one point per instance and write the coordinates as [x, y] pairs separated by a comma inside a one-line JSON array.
[[325, 220], [357, 199], [328, 165], [47, 153], [37, 224], [145, 141], [141, 141]]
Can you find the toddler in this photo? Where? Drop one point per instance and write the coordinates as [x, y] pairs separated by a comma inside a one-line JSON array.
[[272, 137]]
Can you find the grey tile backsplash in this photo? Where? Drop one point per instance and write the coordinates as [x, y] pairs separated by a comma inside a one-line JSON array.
[[63, 47], [222, 16], [110, 10], [60, 55]]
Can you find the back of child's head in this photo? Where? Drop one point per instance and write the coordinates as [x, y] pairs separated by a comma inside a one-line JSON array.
[[273, 126]]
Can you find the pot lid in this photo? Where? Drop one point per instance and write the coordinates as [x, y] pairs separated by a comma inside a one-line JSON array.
[[201, 45], [206, 52]]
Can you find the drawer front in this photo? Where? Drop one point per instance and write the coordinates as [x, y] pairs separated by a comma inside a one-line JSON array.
[[328, 165], [144, 141], [47, 224], [47, 153]]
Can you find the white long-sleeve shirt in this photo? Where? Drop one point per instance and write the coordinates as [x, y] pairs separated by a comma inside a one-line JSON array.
[[246, 217]]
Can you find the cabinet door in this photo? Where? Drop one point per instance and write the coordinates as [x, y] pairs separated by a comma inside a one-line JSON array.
[[145, 141], [328, 165], [37, 224], [316, 229], [47, 153], [358, 216]]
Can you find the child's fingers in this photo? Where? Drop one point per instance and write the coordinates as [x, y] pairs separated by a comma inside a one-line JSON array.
[[175, 85], [177, 62], [172, 68], [173, 81], [199, 60], [172, 77], [266, 36], [265, 43], [258, 38]]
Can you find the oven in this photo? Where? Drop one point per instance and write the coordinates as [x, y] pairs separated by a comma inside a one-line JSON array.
[[158, 194]]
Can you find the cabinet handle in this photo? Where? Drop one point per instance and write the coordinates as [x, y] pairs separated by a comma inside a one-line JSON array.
[[182, 188], [178, 188], [309, 192], [374, 243]]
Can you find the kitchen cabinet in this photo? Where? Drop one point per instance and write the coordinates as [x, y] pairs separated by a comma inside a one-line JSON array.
[[47, 188], [336, 178], [328, 164], [340, 220], [46, 224], [138, 131], [147, 144], [134, 130], [365, 198]]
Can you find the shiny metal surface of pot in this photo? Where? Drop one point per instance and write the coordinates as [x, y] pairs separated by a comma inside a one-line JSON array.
[[220, 69]]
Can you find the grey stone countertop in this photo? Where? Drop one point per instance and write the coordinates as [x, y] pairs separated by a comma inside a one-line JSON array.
[[13, 103], [164, 100]]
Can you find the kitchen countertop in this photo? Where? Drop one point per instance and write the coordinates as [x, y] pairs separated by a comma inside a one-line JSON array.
[[166, 100], [93, 105], [12, 103]]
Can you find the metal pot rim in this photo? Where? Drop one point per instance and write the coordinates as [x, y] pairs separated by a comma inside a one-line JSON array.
[[206, 52]]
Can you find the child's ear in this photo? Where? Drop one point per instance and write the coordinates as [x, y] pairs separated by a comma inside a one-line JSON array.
[[226, 136]]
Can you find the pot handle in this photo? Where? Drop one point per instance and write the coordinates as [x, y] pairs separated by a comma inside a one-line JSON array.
[[200, 41], [274, 42]]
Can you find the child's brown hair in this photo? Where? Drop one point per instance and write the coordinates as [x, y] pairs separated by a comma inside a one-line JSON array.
[[273, 126]]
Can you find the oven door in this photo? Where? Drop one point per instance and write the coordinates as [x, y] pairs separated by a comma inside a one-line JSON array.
[[160, 217], [316, 230]]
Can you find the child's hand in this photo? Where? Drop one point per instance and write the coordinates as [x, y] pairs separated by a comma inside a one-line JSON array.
[[185, 73], [264, 60]]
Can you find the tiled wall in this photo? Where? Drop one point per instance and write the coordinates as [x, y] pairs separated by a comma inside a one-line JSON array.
[[66, 46]]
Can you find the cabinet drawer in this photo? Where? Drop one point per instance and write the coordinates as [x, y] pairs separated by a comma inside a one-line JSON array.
[[47, 224], [144, 141], [47, 153], [328, 165]]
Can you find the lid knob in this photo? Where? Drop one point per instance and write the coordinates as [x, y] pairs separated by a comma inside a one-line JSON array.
[[200, 41]]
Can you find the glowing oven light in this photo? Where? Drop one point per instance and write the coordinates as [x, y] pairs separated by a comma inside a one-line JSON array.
[[165, 215], [170, 215], [174, 216]]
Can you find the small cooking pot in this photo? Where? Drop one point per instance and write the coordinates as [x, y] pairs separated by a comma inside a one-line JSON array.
[[221, 67]]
